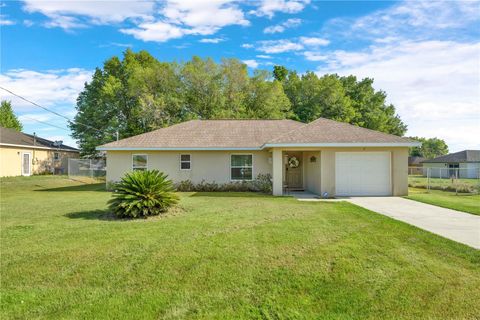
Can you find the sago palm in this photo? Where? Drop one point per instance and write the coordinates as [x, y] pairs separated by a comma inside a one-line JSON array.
[[142, 194]]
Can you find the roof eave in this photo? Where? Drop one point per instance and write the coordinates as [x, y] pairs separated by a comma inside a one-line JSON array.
[[344, 144]]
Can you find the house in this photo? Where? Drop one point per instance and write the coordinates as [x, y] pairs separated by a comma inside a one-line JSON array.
[[463, 164], [26, 154], [415, 161], [324, 157]]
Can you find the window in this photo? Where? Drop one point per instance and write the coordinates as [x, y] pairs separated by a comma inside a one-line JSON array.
[[185, 162], [56, 156], [139, 161], [241, 167]]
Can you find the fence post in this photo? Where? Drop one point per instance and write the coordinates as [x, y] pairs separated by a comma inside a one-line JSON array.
[[428, 180]]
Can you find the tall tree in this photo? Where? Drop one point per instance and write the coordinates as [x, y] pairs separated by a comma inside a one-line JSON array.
[[431, 148], [137, 93], [267, 99], [280, 73], [8, 119]]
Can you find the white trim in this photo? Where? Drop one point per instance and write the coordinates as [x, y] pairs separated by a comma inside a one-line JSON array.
[[271, 145], [189, 161], [174, 149], [240, 154], [139, 154], [29, 163], [36, 147], [345, 144]]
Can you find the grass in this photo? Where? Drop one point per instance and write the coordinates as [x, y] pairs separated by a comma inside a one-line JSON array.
[[462, 201], [222, 256], [463, 185]]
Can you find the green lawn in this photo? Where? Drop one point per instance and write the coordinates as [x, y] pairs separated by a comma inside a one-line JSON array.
[[462, 202], [473, 185], [222, 256]]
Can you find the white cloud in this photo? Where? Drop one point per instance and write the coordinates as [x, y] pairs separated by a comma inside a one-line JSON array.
[[4, 21], [285, 45], [264, 56], [314, 56], [434, 85], [314, 41], [211, 40], [180, 18], [51, 88], [156, 31], [28, 23], [410, 19], [251, 63], [269, 7], [279, 46], [247, 45], [70, 13], [290, 23]]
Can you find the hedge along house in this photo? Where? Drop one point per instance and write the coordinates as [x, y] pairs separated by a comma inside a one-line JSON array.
[[323, 156], [24, 154]]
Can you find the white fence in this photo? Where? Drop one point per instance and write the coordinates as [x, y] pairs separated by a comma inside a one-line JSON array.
[[86, 169], [459, 180]]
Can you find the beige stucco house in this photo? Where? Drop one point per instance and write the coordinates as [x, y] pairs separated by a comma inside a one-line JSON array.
[[25, 154], [324, 157]]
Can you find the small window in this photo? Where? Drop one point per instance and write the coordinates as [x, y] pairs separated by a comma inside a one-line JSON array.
[[241, 167], [139, 162], [185, 162], [56, 156]]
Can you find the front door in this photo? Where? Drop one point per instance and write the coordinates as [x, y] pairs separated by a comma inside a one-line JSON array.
[[26, 164], [294, 172]]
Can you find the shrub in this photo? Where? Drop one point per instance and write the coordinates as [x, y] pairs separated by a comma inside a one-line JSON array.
[[142, 194], [263, 183], [185, 186]]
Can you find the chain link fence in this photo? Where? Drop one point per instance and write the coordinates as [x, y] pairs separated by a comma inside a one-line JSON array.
[[452, 179], [87, 170]]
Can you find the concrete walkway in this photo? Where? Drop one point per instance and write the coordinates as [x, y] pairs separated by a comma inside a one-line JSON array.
[[455, 225]]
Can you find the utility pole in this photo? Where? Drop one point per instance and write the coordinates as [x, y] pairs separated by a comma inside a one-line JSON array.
[[117, 135]]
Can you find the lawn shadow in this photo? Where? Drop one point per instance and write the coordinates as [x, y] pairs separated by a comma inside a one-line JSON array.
[[82, 187], [231, 195], [104, 215]]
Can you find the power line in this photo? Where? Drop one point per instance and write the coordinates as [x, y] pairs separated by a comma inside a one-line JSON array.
[[48, 124], [51, 111]]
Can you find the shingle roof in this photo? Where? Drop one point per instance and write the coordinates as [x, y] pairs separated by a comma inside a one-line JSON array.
[[415, 160], [329, 131], [462, 156], [209, 134], [252, 134], [10, 136]]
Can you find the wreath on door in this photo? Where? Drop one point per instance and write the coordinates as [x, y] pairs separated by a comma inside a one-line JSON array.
[[293, 162]]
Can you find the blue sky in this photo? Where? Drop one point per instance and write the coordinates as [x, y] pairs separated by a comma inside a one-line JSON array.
[[425, 55]]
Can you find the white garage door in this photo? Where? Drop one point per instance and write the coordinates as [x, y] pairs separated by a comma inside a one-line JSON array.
[[362, 174]]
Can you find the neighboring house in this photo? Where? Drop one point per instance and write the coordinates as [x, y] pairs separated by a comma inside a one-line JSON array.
[[323, 156], [415, 161], [463, 164], [25, 154]]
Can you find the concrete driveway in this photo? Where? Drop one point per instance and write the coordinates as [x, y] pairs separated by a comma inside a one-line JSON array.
[[455, 225]]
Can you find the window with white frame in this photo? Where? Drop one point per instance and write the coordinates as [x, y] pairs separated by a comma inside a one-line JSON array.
[[139, 161], [56, 156], [185, 162], [241, 167]]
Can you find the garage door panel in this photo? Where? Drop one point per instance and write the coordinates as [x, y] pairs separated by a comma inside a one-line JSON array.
[[362, 173]]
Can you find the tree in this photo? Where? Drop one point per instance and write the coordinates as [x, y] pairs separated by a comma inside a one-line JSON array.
[[280, 73], [8, 119], [267, 99], [431, 148], [137, 93]]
